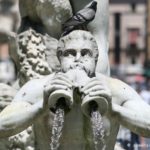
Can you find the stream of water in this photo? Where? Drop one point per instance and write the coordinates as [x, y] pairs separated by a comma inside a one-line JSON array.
[[57, 128], [98, 130]]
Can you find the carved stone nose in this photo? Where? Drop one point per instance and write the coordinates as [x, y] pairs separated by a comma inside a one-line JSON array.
[[77, 58]]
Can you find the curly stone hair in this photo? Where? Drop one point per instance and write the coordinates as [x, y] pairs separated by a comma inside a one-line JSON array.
[[76, 34]]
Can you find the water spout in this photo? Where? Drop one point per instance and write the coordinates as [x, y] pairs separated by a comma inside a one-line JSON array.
[[95, 107], [59, 102], [97, 127], [58, 123]]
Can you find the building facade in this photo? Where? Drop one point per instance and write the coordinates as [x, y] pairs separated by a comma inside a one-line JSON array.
[[127, 35]]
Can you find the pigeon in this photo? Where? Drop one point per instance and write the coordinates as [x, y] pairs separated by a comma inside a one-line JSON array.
[[80, 19]]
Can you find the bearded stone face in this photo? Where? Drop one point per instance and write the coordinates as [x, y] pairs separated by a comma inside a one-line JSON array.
[[78, 53]]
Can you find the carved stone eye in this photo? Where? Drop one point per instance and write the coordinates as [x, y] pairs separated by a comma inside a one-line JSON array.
[[68, 52], [86, 52]]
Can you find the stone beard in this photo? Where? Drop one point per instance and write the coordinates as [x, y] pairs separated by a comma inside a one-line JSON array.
[[78, 50]]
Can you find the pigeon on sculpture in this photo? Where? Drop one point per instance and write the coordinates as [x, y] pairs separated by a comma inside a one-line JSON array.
[[80, 19]]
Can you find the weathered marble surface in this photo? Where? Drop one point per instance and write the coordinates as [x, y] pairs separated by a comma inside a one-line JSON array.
[[23, 140], [38, 12], [36, 53], [51, 13], [77, 53]]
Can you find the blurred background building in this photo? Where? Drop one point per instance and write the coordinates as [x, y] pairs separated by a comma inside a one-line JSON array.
[[129, 55], [127, 36]]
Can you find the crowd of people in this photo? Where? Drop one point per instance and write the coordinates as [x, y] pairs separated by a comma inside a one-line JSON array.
[[7, 66]]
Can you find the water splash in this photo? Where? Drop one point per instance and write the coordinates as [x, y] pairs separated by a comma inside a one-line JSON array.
[[57, 128], [98, 130]]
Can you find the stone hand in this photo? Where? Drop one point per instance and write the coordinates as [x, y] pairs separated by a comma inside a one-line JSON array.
[[97, 86], [59, 82]]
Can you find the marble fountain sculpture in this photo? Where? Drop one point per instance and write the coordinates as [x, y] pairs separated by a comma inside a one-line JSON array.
[[69, 103]]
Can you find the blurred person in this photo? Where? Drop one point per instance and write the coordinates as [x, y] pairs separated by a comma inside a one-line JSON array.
[[7, 67], [135, 138], [124, 137], [135, 142], [145, 94]]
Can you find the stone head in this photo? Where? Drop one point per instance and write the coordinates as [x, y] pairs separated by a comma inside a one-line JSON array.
[[78, 50]]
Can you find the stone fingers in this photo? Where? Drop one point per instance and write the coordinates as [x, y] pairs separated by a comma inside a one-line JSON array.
[[93, 83], [103, 93], [94, 88], [51, 88], [61, 82], [97, 87], [63, 77]]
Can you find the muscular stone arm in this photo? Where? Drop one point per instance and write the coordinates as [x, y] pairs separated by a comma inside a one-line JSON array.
[[129, 109], [135, 120], [31, 103], [17, 117], [26, 107]]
